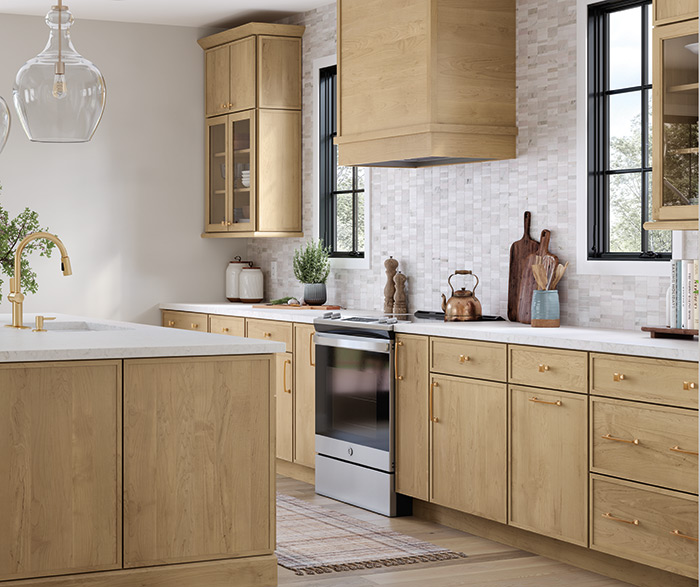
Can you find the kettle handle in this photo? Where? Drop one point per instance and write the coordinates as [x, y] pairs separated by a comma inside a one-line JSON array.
[[462, 272]]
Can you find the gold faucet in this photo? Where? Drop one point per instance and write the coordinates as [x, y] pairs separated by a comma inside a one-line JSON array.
[[16, 296]]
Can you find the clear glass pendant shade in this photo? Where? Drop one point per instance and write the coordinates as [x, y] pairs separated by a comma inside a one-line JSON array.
[[4, 123], [59, 104]]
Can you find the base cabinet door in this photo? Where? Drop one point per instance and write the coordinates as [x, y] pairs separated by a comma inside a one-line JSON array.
[[549, 463], [468, 429], [412, 423], [284, 395], [60, 468], [197, 475], [304, 396]]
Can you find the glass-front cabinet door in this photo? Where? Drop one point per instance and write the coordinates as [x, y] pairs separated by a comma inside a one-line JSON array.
[[675, 122], [243, 176], [217, 201]]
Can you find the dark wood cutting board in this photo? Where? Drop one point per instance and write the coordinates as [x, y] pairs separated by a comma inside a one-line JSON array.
[[519, 252], [527, 279]]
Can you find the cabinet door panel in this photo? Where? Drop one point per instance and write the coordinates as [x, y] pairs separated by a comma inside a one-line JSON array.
[[284, 395], [60, 468], [197, 479], [304, 396], [674, 10], [549, 463], [468, 466], [279, 72], [242, 89], [217, 75]]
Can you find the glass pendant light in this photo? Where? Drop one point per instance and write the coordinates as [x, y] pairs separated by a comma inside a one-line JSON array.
[[4, 123], [59, 95]]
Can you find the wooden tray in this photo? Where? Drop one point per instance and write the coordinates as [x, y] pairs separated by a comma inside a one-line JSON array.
[[294, 307], [519, 252], [666, 332]]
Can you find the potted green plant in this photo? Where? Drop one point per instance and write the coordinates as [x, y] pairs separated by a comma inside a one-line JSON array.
[[311, 267]]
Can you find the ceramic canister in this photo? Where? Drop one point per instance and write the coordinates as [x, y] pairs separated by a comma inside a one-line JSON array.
[[233, 272], [250, 285], [544, 312]]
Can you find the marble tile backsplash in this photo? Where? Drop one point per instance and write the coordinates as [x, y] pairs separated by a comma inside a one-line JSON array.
[[436, 220]]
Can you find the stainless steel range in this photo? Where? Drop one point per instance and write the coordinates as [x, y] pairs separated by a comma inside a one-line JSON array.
[[355, 410]]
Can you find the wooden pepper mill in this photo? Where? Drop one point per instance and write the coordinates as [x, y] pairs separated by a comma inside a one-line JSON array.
[[400, 304], [390, 264]]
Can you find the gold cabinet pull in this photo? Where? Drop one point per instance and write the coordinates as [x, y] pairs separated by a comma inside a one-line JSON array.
[[396, 361], [689, 385], [230, 105], [541, 401], [224, 329], [609, 516], [311, 349], [433, 385], [223, 105], [171, 322], [609, 437], [194, 326], [223, 223], [678, 533], [618, 377], [284, 376], [463, 358], [685, 452], [542, 367], [267, 334]]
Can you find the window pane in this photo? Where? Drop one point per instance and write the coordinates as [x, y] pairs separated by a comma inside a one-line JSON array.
[[361, 220], [649, 105], [344, 178], [625, 213], [625, 128], [650, 45], [360, 178], [626, 48], [343, 240], [659, 240]]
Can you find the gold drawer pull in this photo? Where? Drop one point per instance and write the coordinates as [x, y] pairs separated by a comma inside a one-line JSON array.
[[267, 334], [433, 385], [224, 329], [284, 376], [541, 401], [618, 377], [677, 533], [171, 322], [396, 362], [463, 358], [609, 516], [685, 452], [311, 349], [689, 385], [223, 105], [194, 326], [543, 368], [608, 437]]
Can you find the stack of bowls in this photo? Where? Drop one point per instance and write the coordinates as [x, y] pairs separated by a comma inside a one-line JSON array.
[[245, 178]]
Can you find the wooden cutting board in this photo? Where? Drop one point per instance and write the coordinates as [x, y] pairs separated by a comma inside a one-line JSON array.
[[519, 252], [295, 307], [527, 279]]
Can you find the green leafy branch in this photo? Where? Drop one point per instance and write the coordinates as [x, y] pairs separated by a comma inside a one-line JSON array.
[[311, 263]]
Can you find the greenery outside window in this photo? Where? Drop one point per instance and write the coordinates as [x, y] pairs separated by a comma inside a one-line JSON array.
[[619, 134], [342, 189]]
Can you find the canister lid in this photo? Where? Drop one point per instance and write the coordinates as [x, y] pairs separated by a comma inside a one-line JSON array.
[[244, 268]]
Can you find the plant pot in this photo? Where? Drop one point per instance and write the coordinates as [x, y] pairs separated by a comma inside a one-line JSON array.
[[315, 294]]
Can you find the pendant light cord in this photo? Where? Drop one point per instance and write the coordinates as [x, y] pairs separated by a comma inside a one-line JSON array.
[[59, 65]]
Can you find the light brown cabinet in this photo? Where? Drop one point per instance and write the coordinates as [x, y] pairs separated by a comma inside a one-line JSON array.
[[549, 463], [668, 11], [229, 325], [185, 320], [284, 394], [253, 142], [60, 468], [304, 396]]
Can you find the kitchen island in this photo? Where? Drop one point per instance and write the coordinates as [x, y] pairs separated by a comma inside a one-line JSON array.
[[133, 454]]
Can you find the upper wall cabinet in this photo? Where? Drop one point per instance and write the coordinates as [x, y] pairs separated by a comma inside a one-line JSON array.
[[666, 11], [425, 82], [253, 142]]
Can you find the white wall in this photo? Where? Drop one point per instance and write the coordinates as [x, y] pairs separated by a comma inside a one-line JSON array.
[[129, 204]]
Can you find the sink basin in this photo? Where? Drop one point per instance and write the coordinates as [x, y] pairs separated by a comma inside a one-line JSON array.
[[81, 327]]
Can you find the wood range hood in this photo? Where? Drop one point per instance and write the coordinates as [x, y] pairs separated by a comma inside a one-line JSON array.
[[425, 82]]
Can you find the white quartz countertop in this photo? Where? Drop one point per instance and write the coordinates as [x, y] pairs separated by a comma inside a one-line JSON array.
[[76, 338], [622, 342]]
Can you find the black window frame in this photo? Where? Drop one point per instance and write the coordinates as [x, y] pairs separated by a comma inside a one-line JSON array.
[[328, 171], [598, 151]]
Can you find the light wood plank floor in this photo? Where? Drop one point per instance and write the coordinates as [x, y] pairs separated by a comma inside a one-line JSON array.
[[489, 564]]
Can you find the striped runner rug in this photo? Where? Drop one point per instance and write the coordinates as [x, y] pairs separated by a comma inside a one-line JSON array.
[[313, 540]]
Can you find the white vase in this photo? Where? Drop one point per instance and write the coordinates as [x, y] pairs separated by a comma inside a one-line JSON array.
[[233, 273], [250, 285]]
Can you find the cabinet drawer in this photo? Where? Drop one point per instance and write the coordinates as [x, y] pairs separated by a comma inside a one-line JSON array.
[[651, 444], [648, 380], [545, 367], [655, 527], [467, 358], [271, 330], [231, 325], [185, 320]]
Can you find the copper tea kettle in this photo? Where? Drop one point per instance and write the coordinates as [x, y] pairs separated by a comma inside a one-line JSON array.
[[463, 305]]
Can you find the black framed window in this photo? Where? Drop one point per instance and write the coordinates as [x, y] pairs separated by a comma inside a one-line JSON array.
[[342, 205], [619, 133]]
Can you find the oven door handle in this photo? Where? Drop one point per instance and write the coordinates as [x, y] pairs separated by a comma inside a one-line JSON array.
[[352, 342]]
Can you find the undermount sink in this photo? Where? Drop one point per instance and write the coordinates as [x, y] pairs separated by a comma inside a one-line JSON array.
[[81, 327]]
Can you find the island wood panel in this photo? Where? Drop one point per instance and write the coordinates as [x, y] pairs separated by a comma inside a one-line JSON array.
[[60, 468], [547, 367], [242, 75], [667, 11], [412, 423], [468, 358], [197, 452], [652, 444], [548, 463], [468, 446], [284, 396], [279, 72], [304, 395], [217, 66]]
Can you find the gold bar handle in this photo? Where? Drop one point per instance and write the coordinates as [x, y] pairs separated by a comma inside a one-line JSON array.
[[396, 361], [463, 358], [267, 334], [171, 323], [689, 385], [224, 329], [194, 326], [618, 377], [609, 516], [311, 349], [685, 452], [284, 376], [433, 385], [541, 401], [542, 368], [609, 437], [677, 533]]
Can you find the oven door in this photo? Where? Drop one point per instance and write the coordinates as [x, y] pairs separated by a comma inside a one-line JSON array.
[[354, 399]]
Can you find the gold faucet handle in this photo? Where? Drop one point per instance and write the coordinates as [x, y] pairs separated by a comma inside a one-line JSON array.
[[39, 323]]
